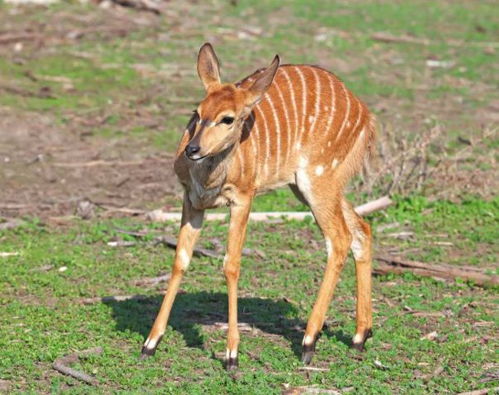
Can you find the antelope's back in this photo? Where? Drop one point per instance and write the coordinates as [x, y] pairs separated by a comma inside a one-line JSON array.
[[306, 113]]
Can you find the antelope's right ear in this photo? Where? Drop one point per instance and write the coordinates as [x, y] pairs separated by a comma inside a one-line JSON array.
[[208, 67]]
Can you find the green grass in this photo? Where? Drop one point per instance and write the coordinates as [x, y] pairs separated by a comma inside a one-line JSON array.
[[41, 314], [42, 317]]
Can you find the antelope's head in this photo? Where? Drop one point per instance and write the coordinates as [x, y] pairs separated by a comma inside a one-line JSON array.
[[217, 122]]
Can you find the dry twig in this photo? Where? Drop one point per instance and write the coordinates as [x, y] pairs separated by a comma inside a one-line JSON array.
[[389, 264], [61, 365]]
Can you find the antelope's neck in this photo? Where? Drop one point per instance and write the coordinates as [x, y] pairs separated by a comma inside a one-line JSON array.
[[206, 181]]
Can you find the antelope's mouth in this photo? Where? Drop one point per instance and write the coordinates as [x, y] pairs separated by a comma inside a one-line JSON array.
[[195, 157]]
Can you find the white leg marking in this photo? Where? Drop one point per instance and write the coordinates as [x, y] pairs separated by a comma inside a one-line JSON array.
[[184, 258], [319, 170], [357, 338], [329, 248], [307, 340], [150, 343], [230, 354], [356, 245]]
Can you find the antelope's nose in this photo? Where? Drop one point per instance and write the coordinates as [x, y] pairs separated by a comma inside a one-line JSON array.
[[191, 150]]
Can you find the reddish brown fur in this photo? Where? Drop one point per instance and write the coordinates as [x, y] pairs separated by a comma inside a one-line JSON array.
[[295, 125]]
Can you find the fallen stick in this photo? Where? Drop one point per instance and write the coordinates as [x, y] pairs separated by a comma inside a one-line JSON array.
[[172, 242], [389, 264], [141, 5], [367, 208], [405, 39], [61, 365]]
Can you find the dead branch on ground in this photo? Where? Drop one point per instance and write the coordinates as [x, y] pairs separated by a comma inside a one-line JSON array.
[[405, 39], [389, 264], [367, 208], [61, 365]]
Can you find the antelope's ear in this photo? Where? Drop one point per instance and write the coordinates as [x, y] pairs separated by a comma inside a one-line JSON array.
[[208, 67], [262, 83]]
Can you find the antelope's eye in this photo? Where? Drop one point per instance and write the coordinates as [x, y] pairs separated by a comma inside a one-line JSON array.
[[227, 120]]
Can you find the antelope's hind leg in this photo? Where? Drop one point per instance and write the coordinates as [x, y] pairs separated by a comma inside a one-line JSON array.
[[190, 228], [326, 207], [361, 250]]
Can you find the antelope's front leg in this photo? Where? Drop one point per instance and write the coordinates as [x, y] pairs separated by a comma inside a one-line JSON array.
[[237, 231], [190, 228]]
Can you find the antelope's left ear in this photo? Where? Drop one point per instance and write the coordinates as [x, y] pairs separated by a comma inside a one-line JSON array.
[[208, 67], [262, 83]]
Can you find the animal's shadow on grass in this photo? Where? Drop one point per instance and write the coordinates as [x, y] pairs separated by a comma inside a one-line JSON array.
[[205, 308]]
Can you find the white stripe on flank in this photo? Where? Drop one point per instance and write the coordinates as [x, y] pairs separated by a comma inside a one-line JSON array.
[[267, 142], [347, 112], [358, 116], [254, 143], [333, 106], [304, 100], [293, 101], [278, 136], [317, 98], [288, 125]]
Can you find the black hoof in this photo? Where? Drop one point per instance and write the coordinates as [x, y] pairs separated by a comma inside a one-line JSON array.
[[232, 364], [147, 352], [307, 353], [360, 345]]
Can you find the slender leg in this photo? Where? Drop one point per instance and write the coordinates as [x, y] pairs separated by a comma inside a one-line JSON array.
[[330, 219], [190, 228], [361, 249], [237, 231]]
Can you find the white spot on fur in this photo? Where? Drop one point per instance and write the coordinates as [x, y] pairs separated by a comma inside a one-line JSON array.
[[348, 124], [297, 146], [230, 354], [357, 338], [326, 108], [319, 170], [311, 118], [307, 340], [329, 143], [184, 258], [322, 150], [335, 163], [329, 248]]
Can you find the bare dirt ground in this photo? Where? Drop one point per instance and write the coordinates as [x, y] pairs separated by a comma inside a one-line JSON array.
[[48, 166], [47, 171]]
